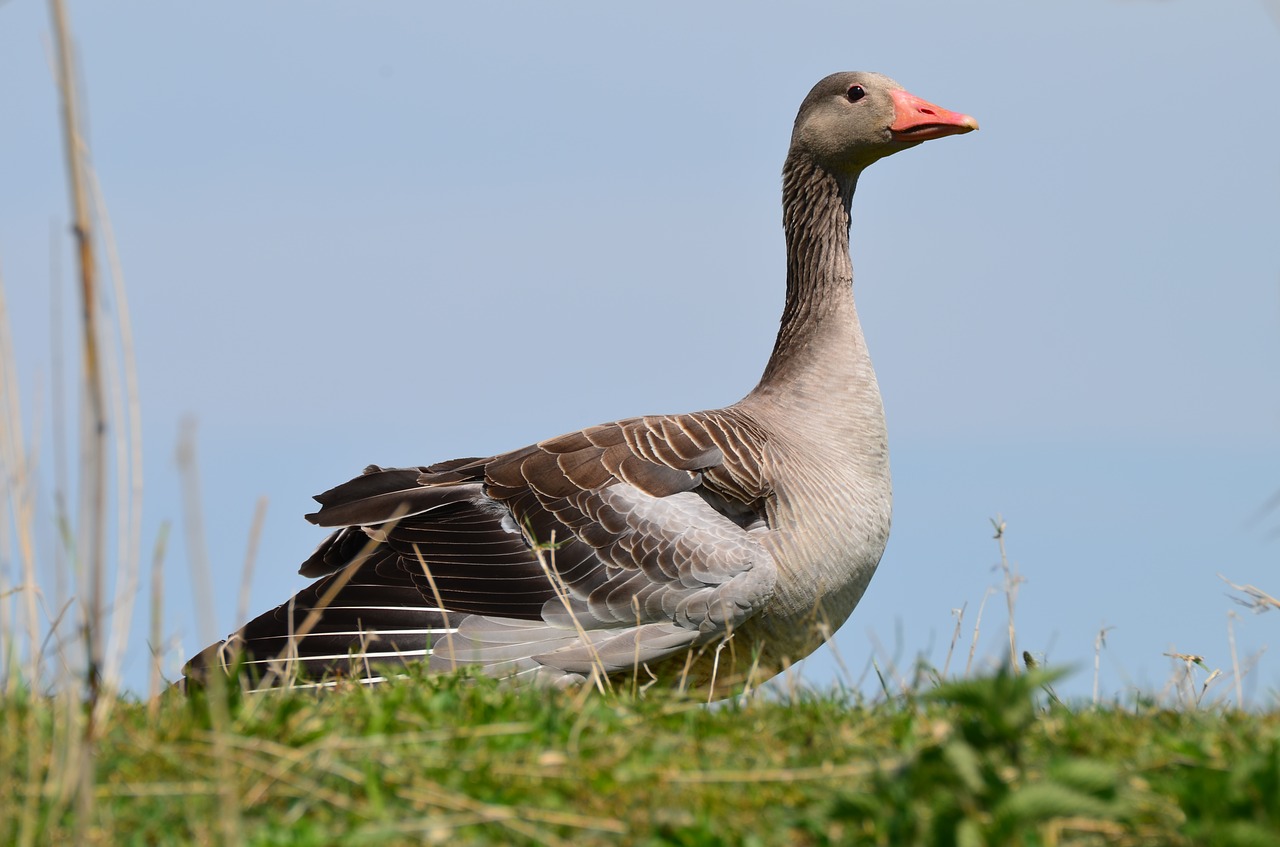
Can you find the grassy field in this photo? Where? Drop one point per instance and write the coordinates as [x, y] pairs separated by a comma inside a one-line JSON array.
[[994, 760]]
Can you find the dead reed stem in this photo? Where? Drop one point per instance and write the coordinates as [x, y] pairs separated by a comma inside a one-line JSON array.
[[16, 483], [1011, 582], [250, 556], [93, 424], [958, 614], [977, 628], [121, 375], [193, 530], [157, 618], [18, 478], [63, 553], [219, 714], [93, 428], [1235, 659], [1098, 643], [1254, 597]]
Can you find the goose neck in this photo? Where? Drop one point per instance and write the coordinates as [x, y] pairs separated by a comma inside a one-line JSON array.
[[819, 311]]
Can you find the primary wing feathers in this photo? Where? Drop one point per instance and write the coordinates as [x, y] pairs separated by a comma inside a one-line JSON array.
[[376, 616], [619, 543]]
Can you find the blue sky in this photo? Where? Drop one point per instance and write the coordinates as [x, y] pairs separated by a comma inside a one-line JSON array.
[[401, 233]]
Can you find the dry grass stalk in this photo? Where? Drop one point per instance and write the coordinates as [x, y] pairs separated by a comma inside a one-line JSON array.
[[599, 678], [1235, 659], [829, 638], [715, 667], [17, 486], [250, 556], [122, 377], [1011, 583], [977, 627], [61, 476], [93, 425], [1254, 598], [958, 614], [1246, 667], [1098, 643], [635, 656], [284, 668], [19, 489], [157, 619], [230, 822], [93, 428], [1183, 679], [888, 675], [444, 612]]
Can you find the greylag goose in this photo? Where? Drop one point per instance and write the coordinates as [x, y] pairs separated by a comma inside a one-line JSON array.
[[696, 548]]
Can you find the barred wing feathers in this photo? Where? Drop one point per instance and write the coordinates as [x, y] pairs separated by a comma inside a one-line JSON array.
[[622, 543]]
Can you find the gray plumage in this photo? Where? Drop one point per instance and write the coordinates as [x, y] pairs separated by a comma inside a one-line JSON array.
[[649, 544]]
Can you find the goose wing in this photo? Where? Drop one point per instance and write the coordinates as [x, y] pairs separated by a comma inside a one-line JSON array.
[[622, 543]]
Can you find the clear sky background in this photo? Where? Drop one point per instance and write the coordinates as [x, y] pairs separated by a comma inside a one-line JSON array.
[[404, 232]]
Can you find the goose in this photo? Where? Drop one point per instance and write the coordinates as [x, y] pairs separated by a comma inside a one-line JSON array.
[[694, 549]]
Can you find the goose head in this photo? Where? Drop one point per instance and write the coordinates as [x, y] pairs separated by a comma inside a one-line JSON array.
[[852, 119]]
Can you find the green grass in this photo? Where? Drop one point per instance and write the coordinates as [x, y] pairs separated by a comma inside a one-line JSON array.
[[467, 761]]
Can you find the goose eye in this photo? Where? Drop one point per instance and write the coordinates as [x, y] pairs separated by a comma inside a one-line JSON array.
[[855, 93]]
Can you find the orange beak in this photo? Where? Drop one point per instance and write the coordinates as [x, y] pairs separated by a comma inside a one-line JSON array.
[[919, 120]]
